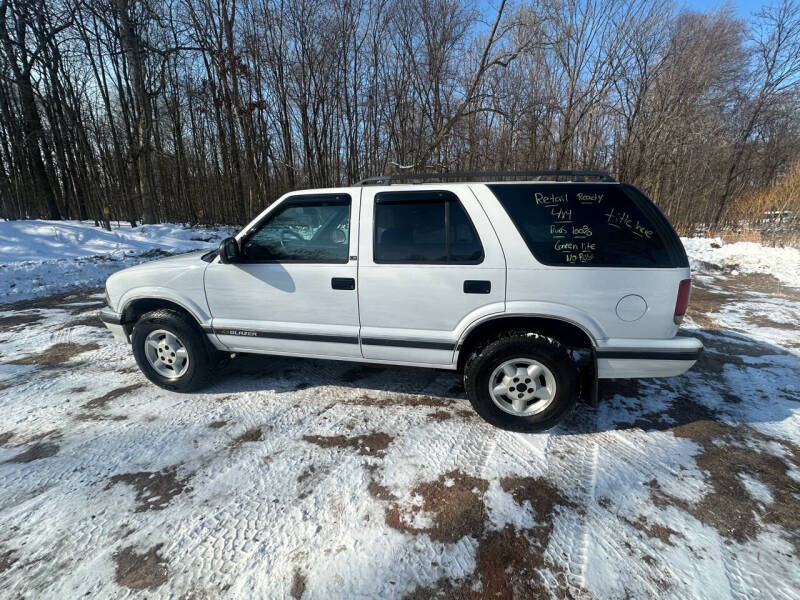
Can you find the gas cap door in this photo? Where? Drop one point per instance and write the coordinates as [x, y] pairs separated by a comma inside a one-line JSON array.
[[631, 307]]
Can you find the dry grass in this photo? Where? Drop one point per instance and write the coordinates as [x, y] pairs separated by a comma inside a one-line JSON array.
[[768, 215]]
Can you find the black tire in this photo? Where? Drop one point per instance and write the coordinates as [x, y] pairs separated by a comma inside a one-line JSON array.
[[548, 352], [200, 364]]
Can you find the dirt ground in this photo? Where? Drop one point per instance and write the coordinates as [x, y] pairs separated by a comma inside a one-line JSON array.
[[313, 479]]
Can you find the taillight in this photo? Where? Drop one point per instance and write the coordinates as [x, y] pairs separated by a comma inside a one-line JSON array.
[[682, 303]]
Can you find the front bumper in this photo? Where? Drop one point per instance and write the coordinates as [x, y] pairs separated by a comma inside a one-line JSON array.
[[113, 321], [623, 358]]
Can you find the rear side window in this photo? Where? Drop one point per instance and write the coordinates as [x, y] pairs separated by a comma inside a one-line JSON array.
[[424, 227], [591, 225]]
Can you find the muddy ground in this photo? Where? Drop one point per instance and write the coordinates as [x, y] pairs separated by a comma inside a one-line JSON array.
[[312, 479]]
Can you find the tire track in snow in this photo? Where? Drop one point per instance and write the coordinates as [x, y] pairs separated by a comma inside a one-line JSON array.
[[605, 537], [343, 465], [633, 454], [487, 452], [734, 575], [627, 462], [572, 464], [525, 454], [740, 585], [252, 528], [746, 582]]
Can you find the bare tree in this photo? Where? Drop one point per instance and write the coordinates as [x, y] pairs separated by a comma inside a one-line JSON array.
[[775, 74], [19, 20]]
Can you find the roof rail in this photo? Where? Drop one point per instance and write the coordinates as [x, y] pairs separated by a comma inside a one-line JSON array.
[[573, 175]]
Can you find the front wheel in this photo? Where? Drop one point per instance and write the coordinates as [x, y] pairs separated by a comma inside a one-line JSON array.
[[170, 351], [522, 382]]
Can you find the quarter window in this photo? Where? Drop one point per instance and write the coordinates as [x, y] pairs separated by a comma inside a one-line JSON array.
[[586, 225], [305, 229], [424, 227]]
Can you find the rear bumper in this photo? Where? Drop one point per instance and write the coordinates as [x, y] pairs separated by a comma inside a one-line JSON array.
[[623, 358], [113, 321]]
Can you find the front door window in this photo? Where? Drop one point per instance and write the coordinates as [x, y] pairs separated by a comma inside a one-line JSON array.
[[306, 230]]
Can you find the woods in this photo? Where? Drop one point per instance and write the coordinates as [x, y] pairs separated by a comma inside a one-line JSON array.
[[208, 110]]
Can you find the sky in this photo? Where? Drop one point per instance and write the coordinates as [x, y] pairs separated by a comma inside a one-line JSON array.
[[743, 8]]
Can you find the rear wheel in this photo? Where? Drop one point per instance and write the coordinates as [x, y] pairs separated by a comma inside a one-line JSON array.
[[170, 351], [522, 382]]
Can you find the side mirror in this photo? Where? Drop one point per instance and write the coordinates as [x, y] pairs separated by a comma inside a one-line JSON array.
[[229, 251]]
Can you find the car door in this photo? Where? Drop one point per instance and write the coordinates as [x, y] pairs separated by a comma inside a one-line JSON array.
[[429, 264], [294, 289]]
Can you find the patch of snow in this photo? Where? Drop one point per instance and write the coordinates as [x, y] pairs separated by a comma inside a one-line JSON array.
[[503, 510], [745, 257], [758, 491], [773, 322]]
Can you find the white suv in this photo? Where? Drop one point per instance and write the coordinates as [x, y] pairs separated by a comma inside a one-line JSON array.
[[533, 289]]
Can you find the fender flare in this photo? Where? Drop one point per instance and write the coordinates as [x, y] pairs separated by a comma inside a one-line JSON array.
[[197, 312], [554, 312]]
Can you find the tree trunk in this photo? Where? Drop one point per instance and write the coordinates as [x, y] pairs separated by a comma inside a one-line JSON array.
[[135, 57], [32, 128]]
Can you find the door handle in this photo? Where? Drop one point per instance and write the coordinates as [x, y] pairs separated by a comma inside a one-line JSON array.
[[472, 286], [343, 283]]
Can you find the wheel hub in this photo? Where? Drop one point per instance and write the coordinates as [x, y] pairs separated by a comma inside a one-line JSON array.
[[522, 387], [166, 353]]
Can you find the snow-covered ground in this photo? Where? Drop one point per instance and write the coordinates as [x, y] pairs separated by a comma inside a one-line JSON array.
[[744, 257], [43, 257], [319, 479]]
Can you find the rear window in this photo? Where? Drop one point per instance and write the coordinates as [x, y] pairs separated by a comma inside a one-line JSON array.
[[591, 225]]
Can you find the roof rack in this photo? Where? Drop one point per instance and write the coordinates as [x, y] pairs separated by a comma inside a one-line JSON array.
[[573, 175]]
